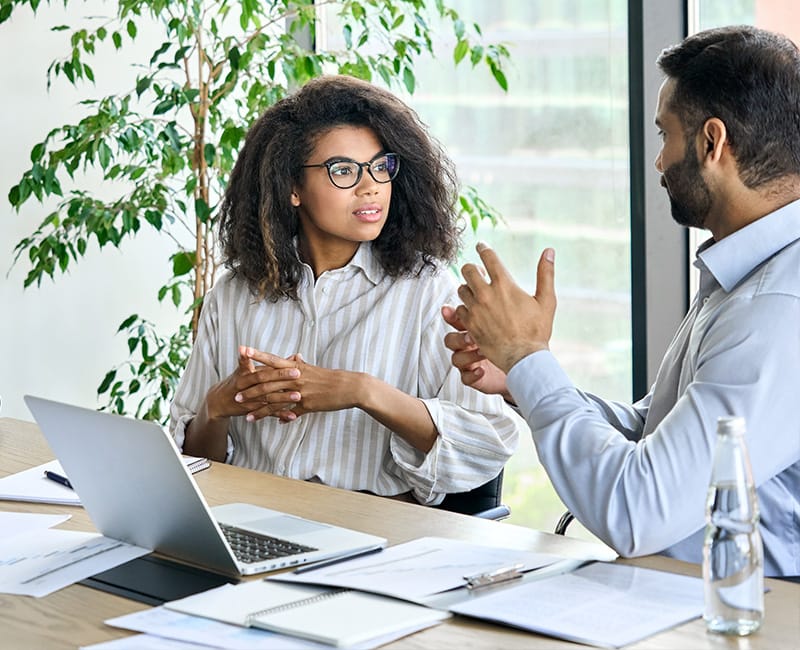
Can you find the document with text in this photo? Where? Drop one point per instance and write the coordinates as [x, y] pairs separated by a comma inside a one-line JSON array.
[[601, 604]]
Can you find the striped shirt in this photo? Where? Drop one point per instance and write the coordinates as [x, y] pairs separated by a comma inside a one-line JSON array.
[[354, 318]]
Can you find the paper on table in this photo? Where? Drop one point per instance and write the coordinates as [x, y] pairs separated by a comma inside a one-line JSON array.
[[41, 562], [19, 523], [141, 642], [194, 629], [31, 485], [419, 568], [602, 604]]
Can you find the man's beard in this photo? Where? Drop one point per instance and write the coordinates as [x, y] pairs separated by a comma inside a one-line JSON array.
[[689, 196]]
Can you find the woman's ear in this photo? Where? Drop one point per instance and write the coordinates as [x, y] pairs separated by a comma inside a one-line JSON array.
[[295, 199]]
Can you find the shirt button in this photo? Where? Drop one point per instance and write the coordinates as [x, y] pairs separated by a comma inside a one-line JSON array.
[[310, 324], [281, 469], [706, 299], [326, 290]]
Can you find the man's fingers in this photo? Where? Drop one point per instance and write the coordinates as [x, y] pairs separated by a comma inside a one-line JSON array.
[[449, 315], [491, 262], [458, 341], [545, 280], [473, 277]]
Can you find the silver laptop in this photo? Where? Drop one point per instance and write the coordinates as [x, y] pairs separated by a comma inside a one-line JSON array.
[[135, 487]]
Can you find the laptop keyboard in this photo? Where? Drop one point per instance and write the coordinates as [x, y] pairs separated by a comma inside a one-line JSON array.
[[251, 547]]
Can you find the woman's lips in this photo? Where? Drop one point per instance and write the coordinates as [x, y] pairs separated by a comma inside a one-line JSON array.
[[369, 213]]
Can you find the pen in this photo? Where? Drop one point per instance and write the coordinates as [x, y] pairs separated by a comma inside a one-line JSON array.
[[503, 574], [62, 480], [336, 560]]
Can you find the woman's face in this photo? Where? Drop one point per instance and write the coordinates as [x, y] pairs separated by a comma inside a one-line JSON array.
[[334, 221]]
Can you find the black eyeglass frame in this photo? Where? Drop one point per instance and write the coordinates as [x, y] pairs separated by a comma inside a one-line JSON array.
[[361, 165]]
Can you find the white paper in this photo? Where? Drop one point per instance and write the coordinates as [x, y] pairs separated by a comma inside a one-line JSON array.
[[20, 523], [194, 629], [143, 642], [41, 562], [608, 605], [419, 568], [31, 485]]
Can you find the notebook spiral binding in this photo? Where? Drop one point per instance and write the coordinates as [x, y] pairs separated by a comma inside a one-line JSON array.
[[297, 603]]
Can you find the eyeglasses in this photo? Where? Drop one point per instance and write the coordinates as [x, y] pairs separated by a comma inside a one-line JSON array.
[[346, 173]]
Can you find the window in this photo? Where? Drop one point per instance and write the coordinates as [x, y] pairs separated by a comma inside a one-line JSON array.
[[552, 156]]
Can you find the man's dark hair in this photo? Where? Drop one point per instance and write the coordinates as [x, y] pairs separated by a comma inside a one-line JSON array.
[[750, 79], [258, 223]]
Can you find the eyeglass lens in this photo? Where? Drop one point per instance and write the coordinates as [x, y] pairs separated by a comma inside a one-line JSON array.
[[347, 173]]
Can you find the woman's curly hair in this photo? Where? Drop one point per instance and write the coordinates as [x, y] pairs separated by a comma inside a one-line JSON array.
[[258, 222]]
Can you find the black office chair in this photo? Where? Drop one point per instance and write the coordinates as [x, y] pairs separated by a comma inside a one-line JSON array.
[[483, 501], [561, 526]]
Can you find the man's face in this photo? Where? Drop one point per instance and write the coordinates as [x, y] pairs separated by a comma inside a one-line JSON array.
[[689, 195]]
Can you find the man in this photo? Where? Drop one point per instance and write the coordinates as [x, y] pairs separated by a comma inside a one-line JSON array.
[[636, 476]]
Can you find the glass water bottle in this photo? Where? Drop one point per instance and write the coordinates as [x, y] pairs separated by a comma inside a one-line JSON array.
[[733, 556]]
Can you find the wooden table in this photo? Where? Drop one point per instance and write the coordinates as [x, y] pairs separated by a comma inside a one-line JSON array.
[[74, 616]]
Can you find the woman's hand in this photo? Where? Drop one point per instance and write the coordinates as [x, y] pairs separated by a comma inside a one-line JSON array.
[[263, 384]]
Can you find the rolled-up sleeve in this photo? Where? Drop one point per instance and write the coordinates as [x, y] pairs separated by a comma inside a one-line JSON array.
[[478, 433]]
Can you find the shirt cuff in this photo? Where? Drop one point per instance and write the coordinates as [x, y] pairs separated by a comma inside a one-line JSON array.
[[535, 377]]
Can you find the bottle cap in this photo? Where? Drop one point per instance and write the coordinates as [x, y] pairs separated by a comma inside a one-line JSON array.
[[731, 425]]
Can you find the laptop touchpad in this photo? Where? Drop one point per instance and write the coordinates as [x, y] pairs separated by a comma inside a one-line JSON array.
[[285, 526]]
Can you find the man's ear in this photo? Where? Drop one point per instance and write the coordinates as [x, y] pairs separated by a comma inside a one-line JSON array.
[[714, 136]]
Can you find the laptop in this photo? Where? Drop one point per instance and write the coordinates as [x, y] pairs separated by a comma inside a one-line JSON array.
[[135, 487]]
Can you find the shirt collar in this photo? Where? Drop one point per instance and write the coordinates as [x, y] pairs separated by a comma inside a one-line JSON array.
[[367, 261], [364, 260], [735, 256]]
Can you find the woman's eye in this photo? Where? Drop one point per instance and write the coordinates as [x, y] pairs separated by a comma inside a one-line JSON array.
[[341, 170]]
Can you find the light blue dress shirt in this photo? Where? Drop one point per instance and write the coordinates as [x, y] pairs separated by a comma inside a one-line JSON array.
[[637, 476]]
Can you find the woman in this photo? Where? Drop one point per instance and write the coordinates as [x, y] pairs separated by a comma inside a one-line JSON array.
[[319, 354]]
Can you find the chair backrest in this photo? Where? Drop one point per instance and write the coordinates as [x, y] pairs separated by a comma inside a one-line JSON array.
[[482, 498]]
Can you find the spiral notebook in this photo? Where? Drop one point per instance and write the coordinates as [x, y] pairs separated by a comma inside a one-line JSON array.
[[338, 617]]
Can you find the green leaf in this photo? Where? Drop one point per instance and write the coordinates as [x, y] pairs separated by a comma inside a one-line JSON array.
[[476, 55], [234, 57], [460, 51], [104, 155], [142, 84], [347, 32], [201, 209], [164, 106], [37, 152], [127, 322], [209, 153], [103, 387], [117, 40], [499, 77], [408, 80], [182, 263], [131, 28]]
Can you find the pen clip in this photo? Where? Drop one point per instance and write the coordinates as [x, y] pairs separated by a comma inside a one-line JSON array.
[[497, 576]]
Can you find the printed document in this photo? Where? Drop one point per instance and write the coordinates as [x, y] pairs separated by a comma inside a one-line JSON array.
[[419, 568], [602, 604]]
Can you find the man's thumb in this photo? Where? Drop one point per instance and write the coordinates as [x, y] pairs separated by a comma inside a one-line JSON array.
[[545, 279]]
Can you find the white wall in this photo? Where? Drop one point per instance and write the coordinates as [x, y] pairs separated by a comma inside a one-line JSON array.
[[59, 340]]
